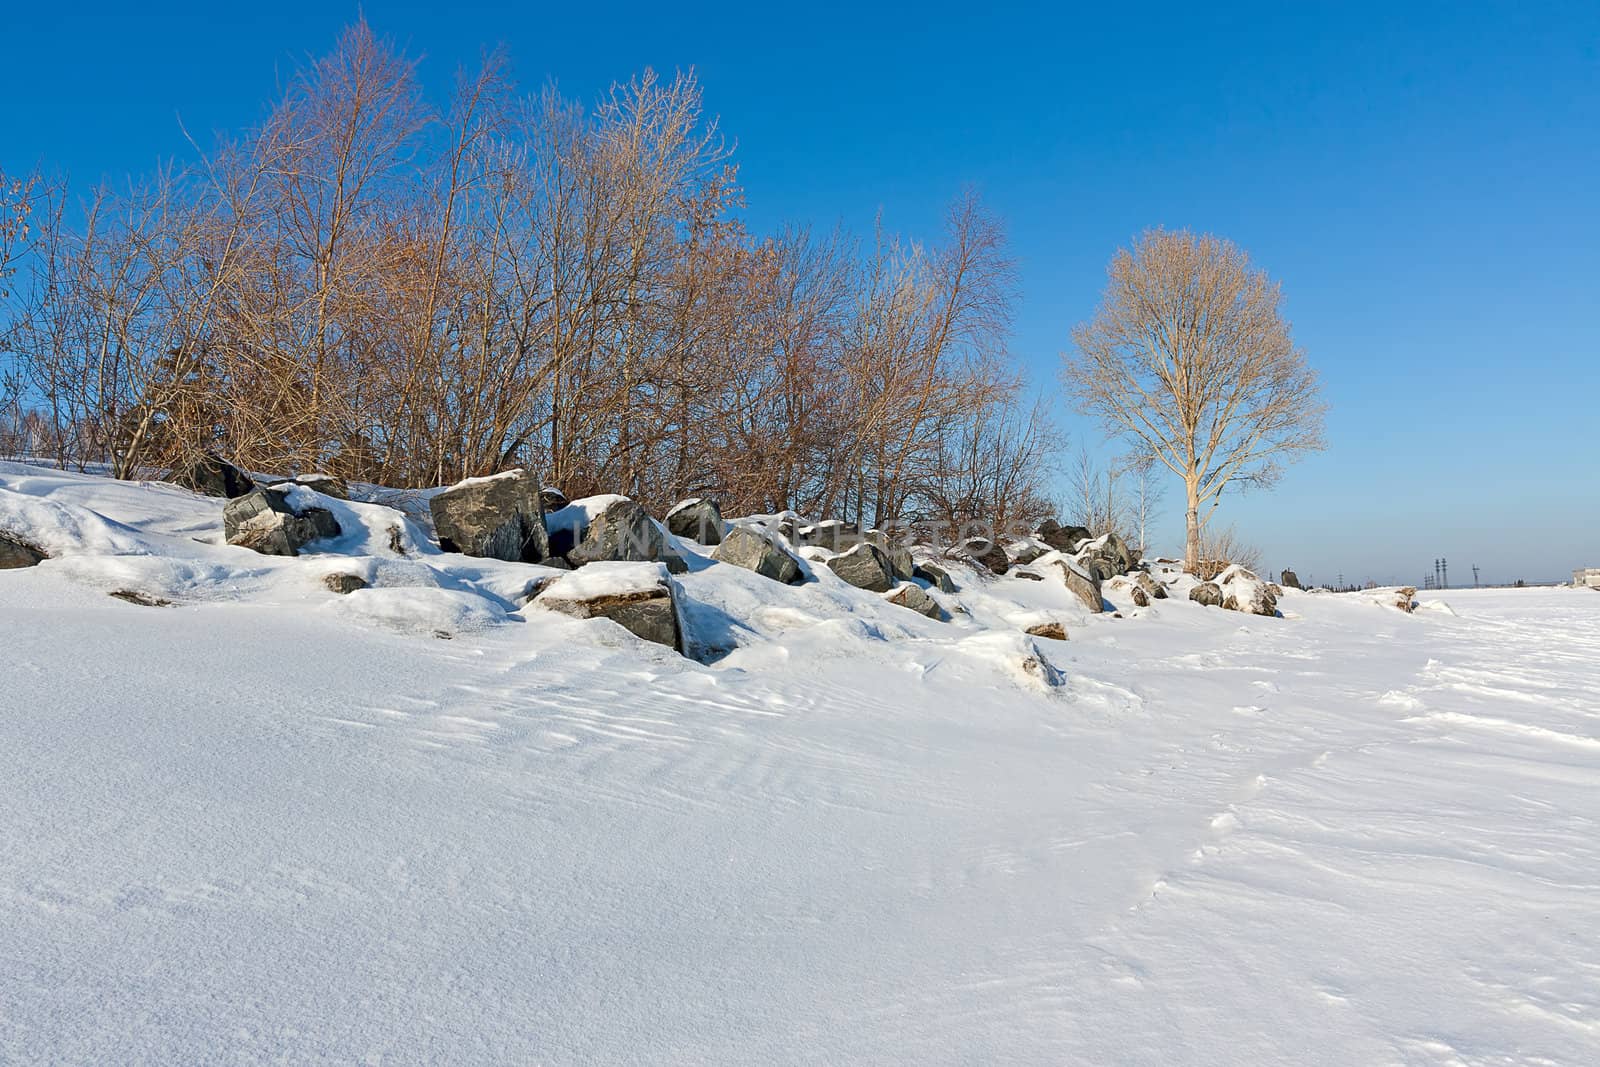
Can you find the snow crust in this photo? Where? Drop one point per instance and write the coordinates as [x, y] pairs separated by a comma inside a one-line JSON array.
[[269, 823]]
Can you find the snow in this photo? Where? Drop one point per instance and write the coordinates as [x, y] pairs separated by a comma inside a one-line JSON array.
[[607, 579], [271, 823], [577, 515]]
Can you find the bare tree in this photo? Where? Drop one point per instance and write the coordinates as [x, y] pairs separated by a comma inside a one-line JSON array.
[[1190, 357]]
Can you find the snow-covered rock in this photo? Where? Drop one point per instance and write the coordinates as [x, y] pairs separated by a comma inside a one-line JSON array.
[[864, 566], [641, 597], [211, 475], [496, 517], [910, 596], [698, 519], [265, 521], [757, 549], [622, 532]]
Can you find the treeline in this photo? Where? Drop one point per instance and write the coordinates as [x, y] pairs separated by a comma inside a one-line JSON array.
[[392, 291]]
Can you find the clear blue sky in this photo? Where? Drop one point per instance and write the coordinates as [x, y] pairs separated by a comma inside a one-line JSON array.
[[1424, 179]]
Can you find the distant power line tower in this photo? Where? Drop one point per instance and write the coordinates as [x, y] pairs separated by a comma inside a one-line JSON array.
[[1474, 576], [1444, 573]]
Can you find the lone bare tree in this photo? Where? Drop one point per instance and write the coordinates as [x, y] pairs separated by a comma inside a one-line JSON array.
[[1190, 358]]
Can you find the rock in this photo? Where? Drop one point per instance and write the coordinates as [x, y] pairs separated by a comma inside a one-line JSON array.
[[498, 517], [1206, 594], [934, 575], [625, 533], [1403, 598], [754, 549], [1027, 575], [1289, 580], [1243, 591], [1053, 630], [865, 567], [15, 552], [1152, 588], [264, 521], [899, 555], [1141, 599], [833, 534], [1063, 538], [344, 583], [1106, 556], [326, 484], [1037, 667], [144, 600], [986, 552], [1275, 589], [212, 475], [552, 498], [698, 519], [1084, 586], [913, 597], [397, 540], [1025, 551], [638, 596]]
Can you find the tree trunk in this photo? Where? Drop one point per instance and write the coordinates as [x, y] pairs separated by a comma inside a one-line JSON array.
[[1191, 561]]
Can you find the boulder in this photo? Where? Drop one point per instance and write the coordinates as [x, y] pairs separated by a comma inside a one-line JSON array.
[[1084, 586], [1030, 576], [865, 567], [498, 517], [326, 484], [625, 533], [141, 598], [552, 498], [912, 596], [754, 549], [212, 475], [835, 535], [344, 583], [1243, 591], [1289, 580], [698, 519], [1063, 538], [934, 575], [1206, 594], [899, 555], [1026, 550], [638, 596], [16, 552], [1053, 630], [1106, 556], [263, 520], [1152, 588], [1141, 599], [986, 552]]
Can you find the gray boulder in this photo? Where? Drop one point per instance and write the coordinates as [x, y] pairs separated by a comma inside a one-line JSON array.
[[1152, 588], [934, 575], [986, 552], [625, 533], [1063, 538], [1082, 584], [698, 519], [639, 597], [913, 597], [835, 535], [1207, 594], [865, 567], [754, 549], [1025, 551], [15, 552], [498, 517], [1243, 591], [1051, 630], [1290, 580], [263, 520], [899, 555], [212, 475], [1106, 557], [552, 498]]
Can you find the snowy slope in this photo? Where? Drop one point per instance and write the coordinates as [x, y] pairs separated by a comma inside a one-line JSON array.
[[271, 823]]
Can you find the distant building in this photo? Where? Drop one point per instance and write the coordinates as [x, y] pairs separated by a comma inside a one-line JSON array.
[[1589, 576]]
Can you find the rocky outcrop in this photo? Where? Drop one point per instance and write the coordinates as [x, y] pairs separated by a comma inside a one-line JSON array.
[[1106, 556], [263, 520], [499, 517], [1206, 594], [865, 567], [625, 533], [17, 552], [755, 549], [1063, 538], [1289, 580], [639, 597], [698, 519], [1052, 630], [913, 597], [212, 475]]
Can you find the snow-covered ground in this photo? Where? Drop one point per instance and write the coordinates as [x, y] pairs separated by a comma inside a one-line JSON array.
[[270, 823]]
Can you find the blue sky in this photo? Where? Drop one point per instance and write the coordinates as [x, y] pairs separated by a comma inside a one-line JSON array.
[[1423, 179]]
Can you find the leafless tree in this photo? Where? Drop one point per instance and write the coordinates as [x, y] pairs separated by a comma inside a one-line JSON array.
[[1189, 356]]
